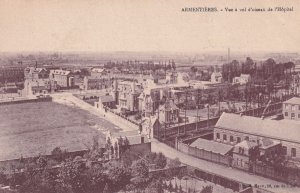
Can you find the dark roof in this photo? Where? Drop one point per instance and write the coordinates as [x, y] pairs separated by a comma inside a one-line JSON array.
[[213, 146]]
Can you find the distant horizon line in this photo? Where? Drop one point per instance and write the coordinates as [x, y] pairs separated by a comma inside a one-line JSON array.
[[233, 52]]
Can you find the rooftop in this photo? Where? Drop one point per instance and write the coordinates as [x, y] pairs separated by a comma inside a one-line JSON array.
[[61, 72], [106, 98], [213, 146], [284, 130], [294, 100]]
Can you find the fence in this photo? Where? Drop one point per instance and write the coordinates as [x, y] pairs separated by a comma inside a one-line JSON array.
[[223, 181], [273, 109], [183, 128], [203, 154], [287, 175]]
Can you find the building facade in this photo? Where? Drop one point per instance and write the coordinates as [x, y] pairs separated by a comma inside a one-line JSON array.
[[96, 83], [35, 73], [126, 94], [291, 109], [233, 129], [63, 78]]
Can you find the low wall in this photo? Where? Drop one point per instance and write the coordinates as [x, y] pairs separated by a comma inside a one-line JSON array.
[[220, 180], [48, 99], [290, 176]]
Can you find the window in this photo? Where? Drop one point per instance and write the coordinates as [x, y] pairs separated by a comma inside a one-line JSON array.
[[247, 138], [218, 135], [292, 115], [238, 139], [224, 137], [284, 150], [299, 107], [298, 115], [293, 107], [231, 138], [286, 114], [286, 106], [293, 152]]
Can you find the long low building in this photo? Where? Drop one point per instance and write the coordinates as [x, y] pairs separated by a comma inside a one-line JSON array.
[[233, 128]]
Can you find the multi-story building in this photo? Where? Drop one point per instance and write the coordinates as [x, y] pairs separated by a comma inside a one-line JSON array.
[[63, 78], [216, 77], [96, 72], [291, 109], [126, 94], [168, 113], [97, 83], [242, 79], [35, 73], [11, 74], [150, 99], [233, 129]]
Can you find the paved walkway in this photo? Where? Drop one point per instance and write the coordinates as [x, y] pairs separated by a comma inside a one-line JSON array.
[[221, 170]]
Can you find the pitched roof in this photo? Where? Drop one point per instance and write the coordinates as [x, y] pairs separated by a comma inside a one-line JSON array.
[[294, 100], [61, 72], [266, 143], [284, 130], [213, 146], [246, 144], [98, 70], [169, 106]]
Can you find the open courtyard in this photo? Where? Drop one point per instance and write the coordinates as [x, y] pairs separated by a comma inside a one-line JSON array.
[[30, 129]]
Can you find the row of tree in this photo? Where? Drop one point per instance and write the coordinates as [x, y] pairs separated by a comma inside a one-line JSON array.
[[266, 70]]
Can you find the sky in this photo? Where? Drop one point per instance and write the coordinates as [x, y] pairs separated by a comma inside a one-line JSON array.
[[148, 25]]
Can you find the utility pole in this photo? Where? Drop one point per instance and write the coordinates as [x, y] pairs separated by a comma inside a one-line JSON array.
[[185, 111], [207, 115], [197, 106]]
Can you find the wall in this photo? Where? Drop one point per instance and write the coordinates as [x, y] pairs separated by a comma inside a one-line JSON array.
[[203, 154], [48, 99]]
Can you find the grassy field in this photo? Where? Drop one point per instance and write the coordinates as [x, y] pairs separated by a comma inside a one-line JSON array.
[[32, 128]]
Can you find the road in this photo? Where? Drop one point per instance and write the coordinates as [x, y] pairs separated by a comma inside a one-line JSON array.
[[68, 99], [221, 170]]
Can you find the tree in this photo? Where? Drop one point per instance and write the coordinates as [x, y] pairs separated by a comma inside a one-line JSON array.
[[58, 154], [173, 165], [140, 174], [106, 189], [207, 189], [118, 176], [72, 175], [161, 161]]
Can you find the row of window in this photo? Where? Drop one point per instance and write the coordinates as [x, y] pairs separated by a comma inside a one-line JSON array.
[[293, 151], [293, 107], [286, 114], [238, 139], [231, 138]]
